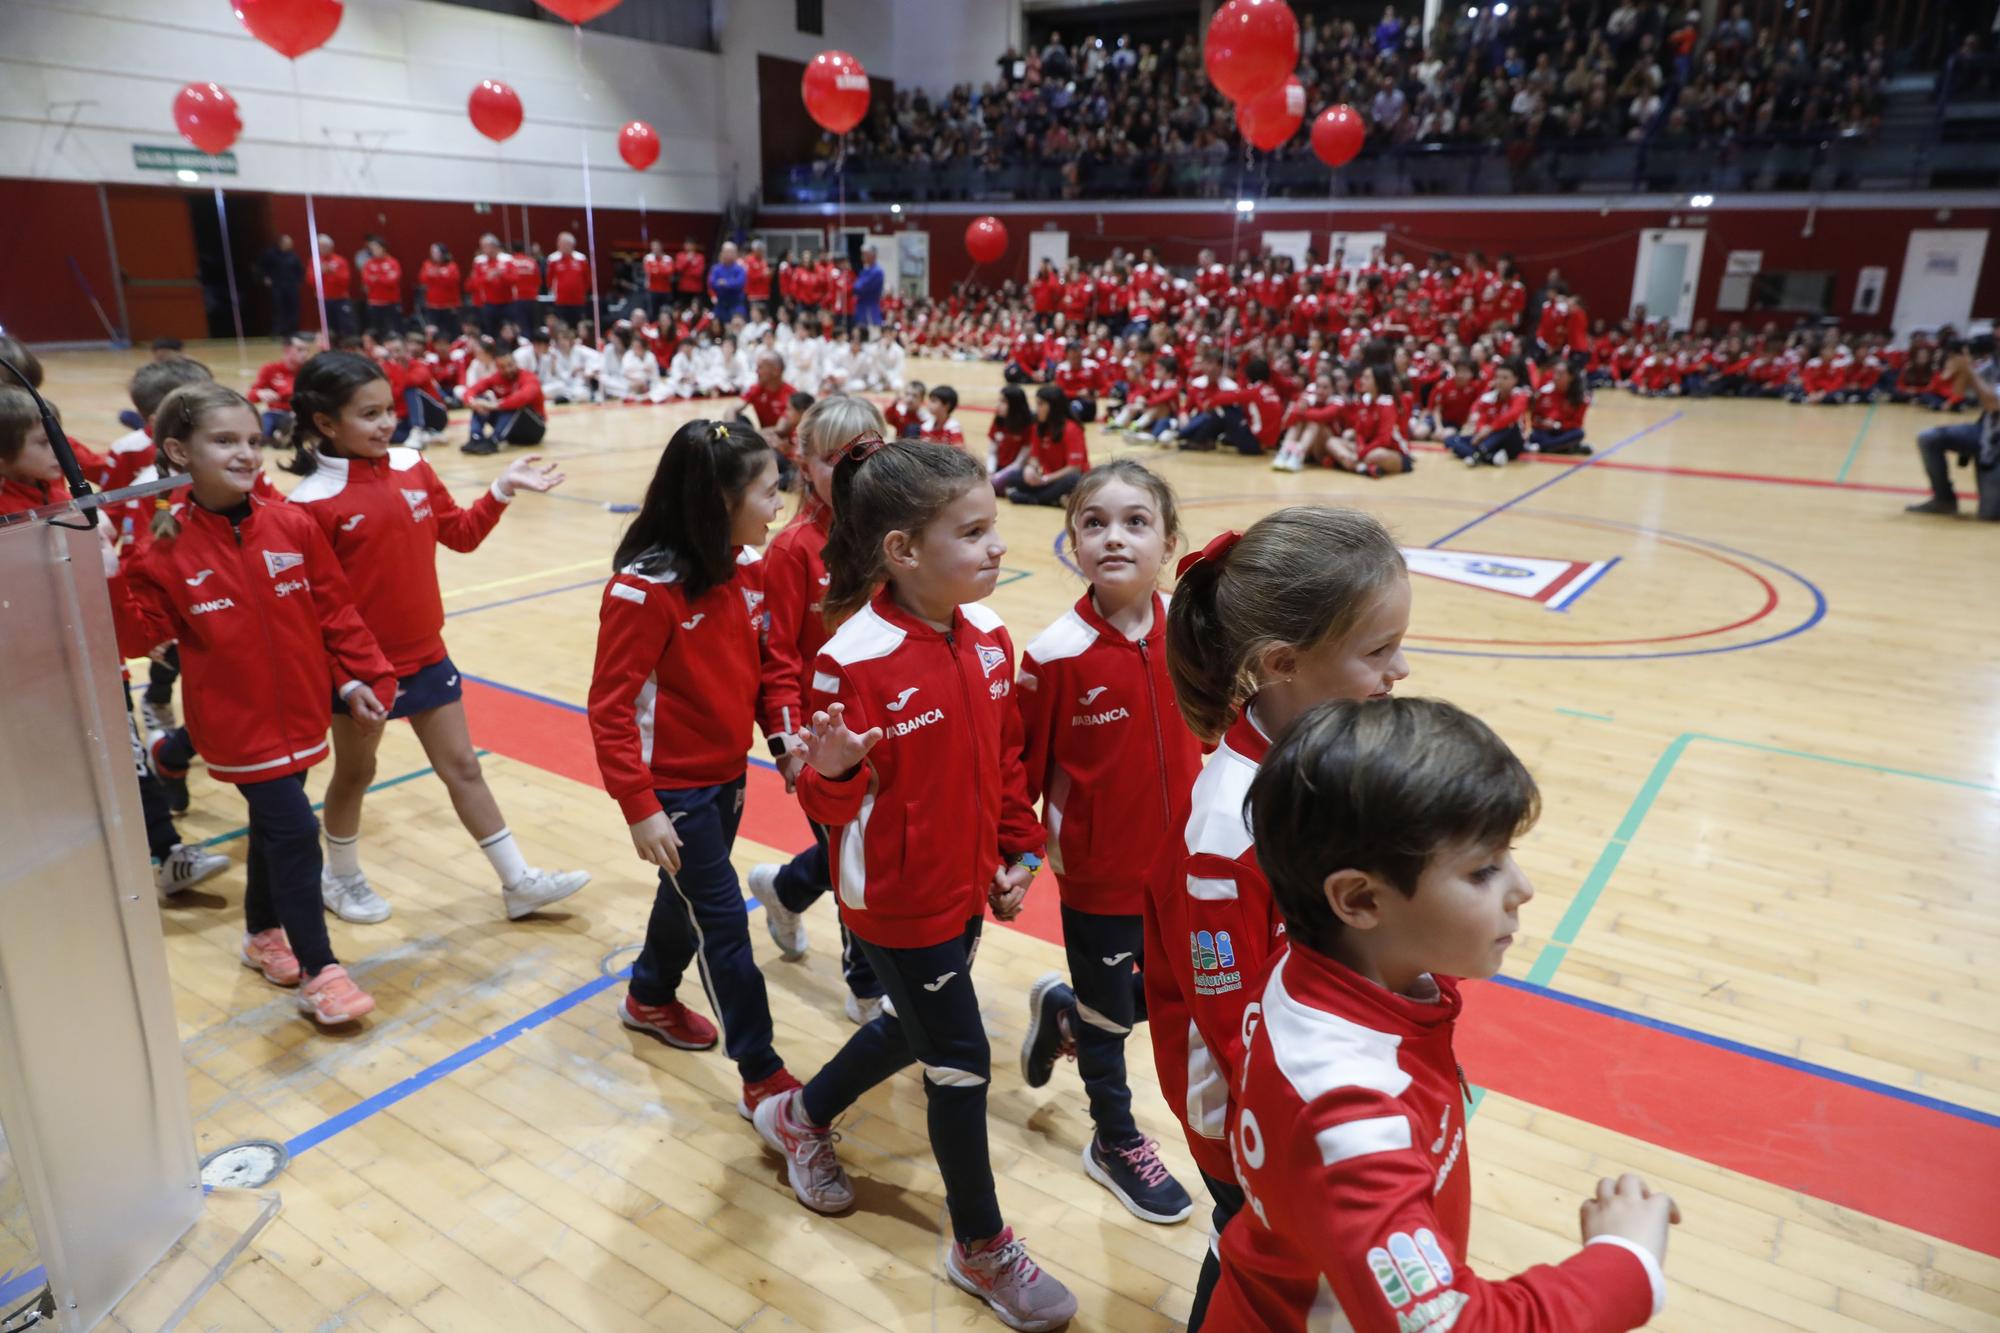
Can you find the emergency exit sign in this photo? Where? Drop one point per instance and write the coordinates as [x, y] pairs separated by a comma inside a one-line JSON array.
[[150, 157]]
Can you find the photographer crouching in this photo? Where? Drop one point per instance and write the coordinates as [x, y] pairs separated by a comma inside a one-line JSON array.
[[1969, 368]]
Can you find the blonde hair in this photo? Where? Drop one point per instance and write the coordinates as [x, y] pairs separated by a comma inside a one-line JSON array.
[[178, 417], [835, 421]]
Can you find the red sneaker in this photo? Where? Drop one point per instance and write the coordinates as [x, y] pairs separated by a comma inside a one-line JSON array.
[[675, 1024], [782, 1081]]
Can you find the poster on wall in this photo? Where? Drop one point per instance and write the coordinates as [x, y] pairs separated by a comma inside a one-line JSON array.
[[1291, 244], [1868, 290]]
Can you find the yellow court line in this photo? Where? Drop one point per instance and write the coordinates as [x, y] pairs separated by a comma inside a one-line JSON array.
[[525, 578]]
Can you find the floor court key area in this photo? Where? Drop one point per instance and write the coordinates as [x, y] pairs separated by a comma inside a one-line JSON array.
[[1759, 967]]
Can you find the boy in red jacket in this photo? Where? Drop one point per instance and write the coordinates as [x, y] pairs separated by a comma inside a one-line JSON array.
[[1492, 433], [507, 408], [1383, 827], [271, 391]]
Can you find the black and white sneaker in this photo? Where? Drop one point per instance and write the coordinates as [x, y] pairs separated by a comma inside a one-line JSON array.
[[172, 781], [1050, 1002], [1137, 1178]]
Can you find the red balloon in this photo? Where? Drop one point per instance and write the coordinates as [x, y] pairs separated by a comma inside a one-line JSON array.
[[639, 145], [836, 91], [986, 239], [1251, 46], [579, 11], [495, 110], [207, 117], [290, 27], [1337, 135], [1269, 120]]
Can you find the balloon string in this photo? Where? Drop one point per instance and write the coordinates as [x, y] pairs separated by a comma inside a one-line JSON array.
[[840, 177], [312, 216], [589, 213], [1234, 230], [229, 271]]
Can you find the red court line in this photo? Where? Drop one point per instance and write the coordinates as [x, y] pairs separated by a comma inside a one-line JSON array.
[[1904, 1163]]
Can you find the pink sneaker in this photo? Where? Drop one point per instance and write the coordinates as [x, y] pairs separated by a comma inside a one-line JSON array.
[[755, 1094], [1001, 1274], [817, 1177], [332, 998], [675, 1024], [270, 953]]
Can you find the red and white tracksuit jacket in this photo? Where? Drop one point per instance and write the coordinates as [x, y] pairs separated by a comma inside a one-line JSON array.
[[384, 518], [1263, 410], [278, 378], [1105, 751], [1378, 424], [1490, 413], [1211, 928], [382, 280], [794, 594], [18, 496], [1554, 411], [1348, 1134], [569, 277], [673, 695], [268, 634], [920, 826]]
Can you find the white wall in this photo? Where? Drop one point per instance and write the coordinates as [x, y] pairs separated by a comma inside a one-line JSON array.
[[383, 104]]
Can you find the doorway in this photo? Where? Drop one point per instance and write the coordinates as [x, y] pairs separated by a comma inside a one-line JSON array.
[[1668, 273]]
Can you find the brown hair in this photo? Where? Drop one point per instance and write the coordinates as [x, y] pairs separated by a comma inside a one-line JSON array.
[[1380, 786], [25, 361], [1140, 478], [1299, 576], [152, 382], [177, 419], [899, 487], [18, 416]]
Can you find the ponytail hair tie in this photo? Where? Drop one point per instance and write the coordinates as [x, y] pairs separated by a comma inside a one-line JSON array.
[[863, 447], [721, 431], [1217, 548]]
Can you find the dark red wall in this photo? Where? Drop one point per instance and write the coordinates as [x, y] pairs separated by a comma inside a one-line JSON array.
[[45, 222], [44, 226], [1595, 251]]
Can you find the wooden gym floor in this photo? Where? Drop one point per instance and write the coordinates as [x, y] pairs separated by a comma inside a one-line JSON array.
[[1760, 968]]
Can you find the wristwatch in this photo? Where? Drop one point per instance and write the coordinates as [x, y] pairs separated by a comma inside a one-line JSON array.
[[1032, 860], [781, 745]]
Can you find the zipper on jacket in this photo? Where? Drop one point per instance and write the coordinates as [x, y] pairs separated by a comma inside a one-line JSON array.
[[270, 650], [978, 790], [1159, 739]]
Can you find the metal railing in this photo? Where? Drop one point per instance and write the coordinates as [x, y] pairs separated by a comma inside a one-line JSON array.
[[1889, 159]]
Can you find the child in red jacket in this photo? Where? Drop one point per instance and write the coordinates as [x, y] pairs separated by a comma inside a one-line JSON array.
[[915, 684], [1559, 408], [795, 580], [1107, 754], [267, 637], [385, 512], [1373, 443], [1493, 433], [1056, 459], [271, 391], [673, 697], [1383, 829], [507, 408], [1310, 604]]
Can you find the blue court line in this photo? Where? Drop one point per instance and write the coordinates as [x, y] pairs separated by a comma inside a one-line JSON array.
[[13, 1286], [1591, 717], [527, 597], [1790, 1062], [1574, 597], [1561, 476], [458, 1059]]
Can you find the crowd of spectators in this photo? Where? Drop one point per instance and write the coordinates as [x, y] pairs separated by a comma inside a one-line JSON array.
[[1539, 73]]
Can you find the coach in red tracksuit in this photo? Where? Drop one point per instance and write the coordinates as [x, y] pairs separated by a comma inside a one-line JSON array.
[[569, 281], [507, 408], [757, 275], [441, 283], [690, 271], [334, 278], [659, 266], [492, 283], [382, 284]]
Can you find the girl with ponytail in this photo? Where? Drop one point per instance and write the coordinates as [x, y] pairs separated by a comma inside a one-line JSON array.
[[913, 764], [1308, 605], [673, 699], [385, 513]]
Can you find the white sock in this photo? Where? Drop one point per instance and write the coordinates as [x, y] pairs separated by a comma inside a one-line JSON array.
[[505, 854], [343, 855]]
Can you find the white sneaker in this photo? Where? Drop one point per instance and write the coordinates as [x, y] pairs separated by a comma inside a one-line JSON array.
[[788, 929], [538, 888], [815, 1172], [349, 898], [862, 1012], [185, 867], [157, 717]]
